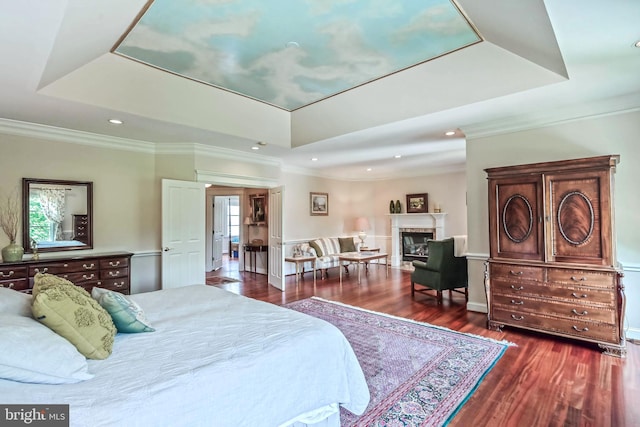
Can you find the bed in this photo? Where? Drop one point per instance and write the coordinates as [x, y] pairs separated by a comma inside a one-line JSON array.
[[215, 358]]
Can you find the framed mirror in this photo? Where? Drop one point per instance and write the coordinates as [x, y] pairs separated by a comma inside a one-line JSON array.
[[57, 215]]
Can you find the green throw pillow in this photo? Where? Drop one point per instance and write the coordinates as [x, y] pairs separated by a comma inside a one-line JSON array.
[[126, 314], [42, 281], [315, 246], [70, 311], [346, 244]]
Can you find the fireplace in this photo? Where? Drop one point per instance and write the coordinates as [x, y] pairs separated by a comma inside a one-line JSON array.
[[414, 245], [417, 223]]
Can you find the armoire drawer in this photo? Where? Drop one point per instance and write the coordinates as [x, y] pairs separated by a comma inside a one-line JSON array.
[[510, 272], [592, 278], [556, 308]]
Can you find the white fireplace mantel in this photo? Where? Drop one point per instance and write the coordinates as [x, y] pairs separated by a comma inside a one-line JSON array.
[[428, 221]]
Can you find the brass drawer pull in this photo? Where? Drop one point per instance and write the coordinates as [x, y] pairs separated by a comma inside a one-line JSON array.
[[9, 286], [44, 270], [516, 273], [84, 276], [520, 288], [119, 285], [114, 264], [575, 279], [7, 275], [88, 267], [114, 273], [65, 265], [517, 302], [584, 313], [585, 329], [573, 294], [514, 317]]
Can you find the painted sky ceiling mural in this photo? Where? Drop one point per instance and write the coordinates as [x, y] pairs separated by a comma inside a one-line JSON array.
[[290, 53]]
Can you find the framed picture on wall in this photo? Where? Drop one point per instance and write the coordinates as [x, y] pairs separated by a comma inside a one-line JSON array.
[[417, 203], [319, 203], [258, 208]]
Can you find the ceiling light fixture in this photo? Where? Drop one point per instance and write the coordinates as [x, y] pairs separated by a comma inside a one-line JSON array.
[[115, 121], [637, 44], [368, 169], [450, 133], [397, 156], [255, 148], [262, 143], [314, 159]]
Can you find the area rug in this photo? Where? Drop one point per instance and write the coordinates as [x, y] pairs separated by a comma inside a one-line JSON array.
[[418, 374], [219, 280]]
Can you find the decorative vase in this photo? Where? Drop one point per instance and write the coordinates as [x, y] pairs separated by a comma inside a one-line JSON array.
[[12, 253], [398, 207], [392, 207]]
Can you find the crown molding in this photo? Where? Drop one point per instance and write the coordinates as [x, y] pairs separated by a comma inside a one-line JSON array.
[[407, 174], [234, 180], [217, 152], [52, 133], [553, 117]]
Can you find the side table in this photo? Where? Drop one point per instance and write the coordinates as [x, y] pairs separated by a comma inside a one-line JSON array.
[[299, 261], [253, 250]]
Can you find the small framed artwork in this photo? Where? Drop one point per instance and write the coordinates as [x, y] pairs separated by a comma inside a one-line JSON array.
[[319, 203], [417, 203], [258, 208]]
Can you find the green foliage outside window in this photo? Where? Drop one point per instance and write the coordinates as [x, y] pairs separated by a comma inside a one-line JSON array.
[[39, 224]]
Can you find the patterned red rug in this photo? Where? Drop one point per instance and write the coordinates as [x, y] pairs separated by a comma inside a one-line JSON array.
[[418, 374]]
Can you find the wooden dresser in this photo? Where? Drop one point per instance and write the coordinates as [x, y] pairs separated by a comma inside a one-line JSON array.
[[552, 265], [81, 228], [106, 270]]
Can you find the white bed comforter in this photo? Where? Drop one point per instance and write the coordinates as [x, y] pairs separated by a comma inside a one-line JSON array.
[[216, 359]]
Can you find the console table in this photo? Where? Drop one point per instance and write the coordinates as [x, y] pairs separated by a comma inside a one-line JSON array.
[[104, 270], [253, 251]]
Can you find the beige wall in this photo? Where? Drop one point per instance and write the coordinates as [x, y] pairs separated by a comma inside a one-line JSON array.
[[612, 134]]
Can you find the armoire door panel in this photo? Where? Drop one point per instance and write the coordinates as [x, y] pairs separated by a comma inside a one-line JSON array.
[[575, 212], [517, 225]]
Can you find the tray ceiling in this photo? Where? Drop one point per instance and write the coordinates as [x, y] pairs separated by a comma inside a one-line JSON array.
[[291, 53]]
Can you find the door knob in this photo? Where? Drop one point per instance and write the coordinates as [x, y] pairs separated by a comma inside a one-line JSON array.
[[166, 249]]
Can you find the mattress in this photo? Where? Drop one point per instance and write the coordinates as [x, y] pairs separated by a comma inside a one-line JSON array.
[[215, 359]]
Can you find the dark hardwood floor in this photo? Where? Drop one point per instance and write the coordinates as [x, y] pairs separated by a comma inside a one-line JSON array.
[[544, 381]]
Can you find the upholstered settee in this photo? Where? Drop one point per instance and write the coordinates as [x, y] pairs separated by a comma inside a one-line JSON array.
[[327, 251]]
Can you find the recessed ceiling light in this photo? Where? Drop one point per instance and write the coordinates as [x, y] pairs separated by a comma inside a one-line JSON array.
[[450, 133], [292, 44], [255, 148], [637, 44], [397, 156], [368, 169], [314, 159], [115, 121], [262, 143]]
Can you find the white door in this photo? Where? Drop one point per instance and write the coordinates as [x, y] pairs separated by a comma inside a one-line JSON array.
[[183, 233], [276, 255], [220, 209]]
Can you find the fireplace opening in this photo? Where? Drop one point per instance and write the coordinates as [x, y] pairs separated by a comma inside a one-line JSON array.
[[414, 245]]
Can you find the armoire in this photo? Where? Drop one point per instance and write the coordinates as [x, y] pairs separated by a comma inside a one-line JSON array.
[[552, 265]]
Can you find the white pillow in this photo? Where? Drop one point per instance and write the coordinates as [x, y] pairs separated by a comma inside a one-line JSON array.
[[14, 302], [33, 353], [127, 315]]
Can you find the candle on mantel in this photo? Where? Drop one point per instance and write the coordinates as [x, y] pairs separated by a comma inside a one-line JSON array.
[[437, 208]]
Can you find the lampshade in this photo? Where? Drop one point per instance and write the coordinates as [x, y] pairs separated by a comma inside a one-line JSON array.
[[247, 220], [362, 223]]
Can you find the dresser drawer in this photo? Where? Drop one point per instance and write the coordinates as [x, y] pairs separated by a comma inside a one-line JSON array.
[[582, 278], [578, 294], [559, 309], [112, 273], [114, 263], [15, 284], [590, 331], [80, 277], [516, 272], [64, 267], [12, 273], [119, 285]]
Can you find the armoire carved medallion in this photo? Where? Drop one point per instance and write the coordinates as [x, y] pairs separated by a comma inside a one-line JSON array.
[[552, 265]]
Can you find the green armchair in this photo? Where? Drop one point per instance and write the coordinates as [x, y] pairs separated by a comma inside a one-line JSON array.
[[442, 271]]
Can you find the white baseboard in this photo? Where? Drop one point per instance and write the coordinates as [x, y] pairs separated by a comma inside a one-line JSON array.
[[633, 334], [476, 306]]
